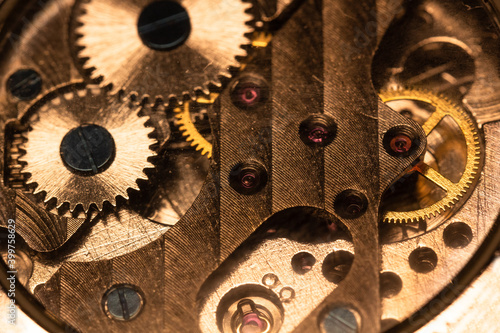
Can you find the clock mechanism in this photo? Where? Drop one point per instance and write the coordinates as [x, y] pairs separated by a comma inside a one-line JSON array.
[[249, 166]]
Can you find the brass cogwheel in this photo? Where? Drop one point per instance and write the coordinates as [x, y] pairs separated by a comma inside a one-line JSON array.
[[162, 49], [454, 191], [85, 147], [182, 113], [189, 130]]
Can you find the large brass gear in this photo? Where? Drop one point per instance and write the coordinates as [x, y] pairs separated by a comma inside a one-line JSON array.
[[50, 122], [113, 50], [454, 191]]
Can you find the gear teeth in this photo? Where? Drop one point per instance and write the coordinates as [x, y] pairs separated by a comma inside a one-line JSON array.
[[190, 132], [469, 177], [49, 126], [93, 45]]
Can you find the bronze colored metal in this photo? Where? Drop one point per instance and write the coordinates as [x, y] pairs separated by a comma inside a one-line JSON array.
[[308, 250], [116, 53], [51, 120]]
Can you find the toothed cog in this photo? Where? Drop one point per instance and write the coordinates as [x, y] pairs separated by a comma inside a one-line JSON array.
[[162, 49], [455, 191], [190, 132], [85, 147]]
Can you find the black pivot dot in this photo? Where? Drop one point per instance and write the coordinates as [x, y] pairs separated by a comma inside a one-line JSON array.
[[88, 149], [25, 84], [164, 25]]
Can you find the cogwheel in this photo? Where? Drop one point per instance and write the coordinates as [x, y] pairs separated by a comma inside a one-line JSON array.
[[162, 49], [189, 131], [455, 191], [85, 147]]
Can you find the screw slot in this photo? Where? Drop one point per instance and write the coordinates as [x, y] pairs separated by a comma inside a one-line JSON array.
[[164, 25], [341, 319], [122, 302], [88, 149], [25, 84]]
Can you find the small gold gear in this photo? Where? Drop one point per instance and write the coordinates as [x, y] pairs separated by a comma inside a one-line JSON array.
[[68, 110], [454, 191], [260, 39], [188, 129]]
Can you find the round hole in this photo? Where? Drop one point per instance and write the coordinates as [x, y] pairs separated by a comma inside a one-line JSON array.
[[248, 178], [88, 149], [25, 84], [457, 235], [122, 302], [286, 294], [350, 204], [270, 280], [164, 25], [318, 130], [337, 265], [303, 262], [423, 260], [390, 284]]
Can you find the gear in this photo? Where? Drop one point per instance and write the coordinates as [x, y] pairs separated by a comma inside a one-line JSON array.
[[455, 191], [161, 49], [186, 126], [85, 147]]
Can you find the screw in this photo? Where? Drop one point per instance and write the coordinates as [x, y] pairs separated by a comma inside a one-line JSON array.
[[251, 320], [122, 302], [249, 91], [87, 148], [350, 204], [164, 25], [341, 320], [318, 135], [400, 141], [400, 144], [318, 130], [25, 84], [248, 178]]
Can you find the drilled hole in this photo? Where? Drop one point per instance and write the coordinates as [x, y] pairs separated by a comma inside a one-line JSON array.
[[303, 262], [336, 265], [457, 235], [423, 260], [390, 284]]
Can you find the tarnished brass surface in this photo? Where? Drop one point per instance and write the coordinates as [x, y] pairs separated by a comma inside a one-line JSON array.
[[256, 165]]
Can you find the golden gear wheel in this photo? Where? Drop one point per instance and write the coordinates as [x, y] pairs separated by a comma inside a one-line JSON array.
[[454, 191], [112, 45], [182, 114], [189, 131], [72, 108]]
